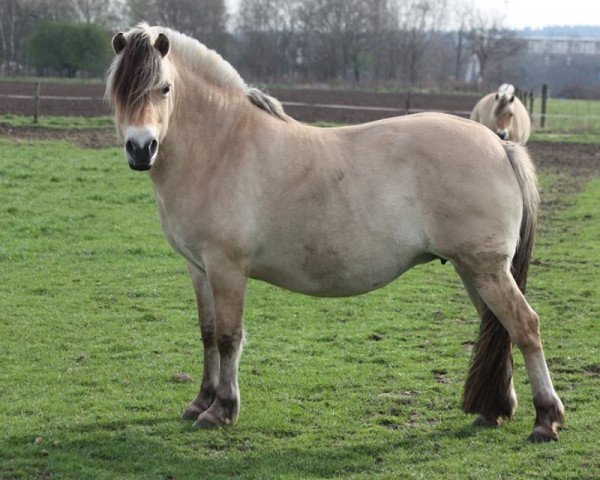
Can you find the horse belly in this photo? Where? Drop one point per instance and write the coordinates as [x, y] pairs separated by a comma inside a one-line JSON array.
[[337, 269]]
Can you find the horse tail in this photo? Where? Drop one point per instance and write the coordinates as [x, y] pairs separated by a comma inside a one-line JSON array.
[[488, 389], [525, 172]]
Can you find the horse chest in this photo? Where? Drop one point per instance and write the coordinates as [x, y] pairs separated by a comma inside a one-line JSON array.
[[179, 232]]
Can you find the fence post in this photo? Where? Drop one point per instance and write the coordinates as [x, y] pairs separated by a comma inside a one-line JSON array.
[[544, 102], [407, 106], [36, 102], [530, 104]]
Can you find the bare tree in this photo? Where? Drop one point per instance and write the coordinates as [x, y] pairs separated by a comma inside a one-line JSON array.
[[490, 42], [109, 13], [338, 28], [17, 18], [418, 20], [202, 19], [268, 43]]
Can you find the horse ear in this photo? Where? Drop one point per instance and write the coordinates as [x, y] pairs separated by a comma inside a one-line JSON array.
[[119, 42], [162, 44]]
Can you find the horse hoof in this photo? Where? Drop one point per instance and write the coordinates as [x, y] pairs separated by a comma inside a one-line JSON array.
[[192, 412], [489, 422], [208, 421], [542, 434]]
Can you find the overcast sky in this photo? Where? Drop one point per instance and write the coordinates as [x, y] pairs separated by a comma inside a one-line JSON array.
[[532, 13]]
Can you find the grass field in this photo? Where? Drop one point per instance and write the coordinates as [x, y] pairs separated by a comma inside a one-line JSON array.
[[97, 324], [57, 122], [568, 120]]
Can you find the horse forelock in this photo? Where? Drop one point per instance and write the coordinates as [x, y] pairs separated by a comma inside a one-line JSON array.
[[135, 72], [503, 99]]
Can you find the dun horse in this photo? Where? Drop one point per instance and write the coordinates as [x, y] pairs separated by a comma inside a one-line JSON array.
[[503, 113], [244, 191]]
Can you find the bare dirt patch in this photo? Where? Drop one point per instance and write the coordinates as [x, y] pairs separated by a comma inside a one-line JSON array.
[[86, 138]]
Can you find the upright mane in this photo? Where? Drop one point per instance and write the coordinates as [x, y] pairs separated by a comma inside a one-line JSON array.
[[136, 71], [504, 97]]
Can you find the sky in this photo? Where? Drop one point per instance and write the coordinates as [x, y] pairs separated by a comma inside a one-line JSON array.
[[531, 13], [541, 13]]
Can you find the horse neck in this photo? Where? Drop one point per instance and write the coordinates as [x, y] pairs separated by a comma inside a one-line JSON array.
[[204, 124]]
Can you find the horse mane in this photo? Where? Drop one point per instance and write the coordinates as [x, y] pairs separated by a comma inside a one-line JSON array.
[[129, 83]]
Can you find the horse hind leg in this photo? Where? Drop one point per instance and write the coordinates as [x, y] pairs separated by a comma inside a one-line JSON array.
[[505, 301], [489, 390]]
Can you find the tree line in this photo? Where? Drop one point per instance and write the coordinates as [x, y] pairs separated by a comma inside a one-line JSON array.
[[410, 42]]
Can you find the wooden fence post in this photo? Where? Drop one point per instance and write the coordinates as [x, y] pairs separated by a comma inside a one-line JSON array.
[[407, 106], [530, 104], [36, 102], [544, 102]]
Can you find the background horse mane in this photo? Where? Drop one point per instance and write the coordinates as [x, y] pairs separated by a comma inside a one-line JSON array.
[[136, 71], [504, 97]]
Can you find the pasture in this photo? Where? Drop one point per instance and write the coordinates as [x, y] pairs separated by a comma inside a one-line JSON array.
[[100, 351]]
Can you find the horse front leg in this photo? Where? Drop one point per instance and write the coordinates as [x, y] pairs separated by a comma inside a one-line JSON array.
[[228, 285], [206, 318]]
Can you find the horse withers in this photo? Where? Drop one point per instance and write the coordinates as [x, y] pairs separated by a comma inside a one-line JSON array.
[[237, 183], [504, 114]]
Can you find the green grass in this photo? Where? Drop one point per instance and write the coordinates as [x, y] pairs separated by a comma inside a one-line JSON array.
[[97, 316], [568, 120], [57, 122]]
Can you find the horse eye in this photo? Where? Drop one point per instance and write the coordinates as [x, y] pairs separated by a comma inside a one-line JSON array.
[[166, 89]]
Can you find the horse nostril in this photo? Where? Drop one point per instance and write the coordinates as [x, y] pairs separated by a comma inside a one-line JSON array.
[[153, 146], [129, 146]]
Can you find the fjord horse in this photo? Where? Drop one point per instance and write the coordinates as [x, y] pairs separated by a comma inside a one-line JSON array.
[[503, 113], [244, 191]]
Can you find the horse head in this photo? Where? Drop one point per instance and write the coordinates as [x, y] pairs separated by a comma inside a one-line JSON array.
[[503, 109], [140, 89]]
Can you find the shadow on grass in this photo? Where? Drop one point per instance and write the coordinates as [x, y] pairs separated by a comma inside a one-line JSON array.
[[164, 448]]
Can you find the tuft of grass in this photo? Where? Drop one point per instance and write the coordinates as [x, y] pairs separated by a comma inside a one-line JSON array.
[[57, 122], [98, 327]]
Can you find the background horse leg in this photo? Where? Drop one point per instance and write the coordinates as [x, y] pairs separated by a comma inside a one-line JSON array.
[[228, 284], [505, 300], [489, 390], [206, 317]]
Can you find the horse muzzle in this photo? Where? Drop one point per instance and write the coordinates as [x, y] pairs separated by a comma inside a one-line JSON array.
[[141, 149], [503, 134]]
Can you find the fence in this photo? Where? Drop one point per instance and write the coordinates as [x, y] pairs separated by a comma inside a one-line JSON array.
[[551, 115]]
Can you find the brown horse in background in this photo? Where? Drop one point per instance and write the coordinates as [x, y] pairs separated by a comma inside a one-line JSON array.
[[244, 191], [503, 113]]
